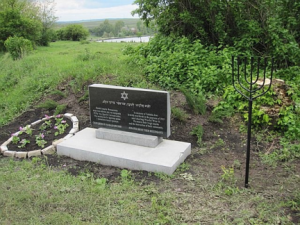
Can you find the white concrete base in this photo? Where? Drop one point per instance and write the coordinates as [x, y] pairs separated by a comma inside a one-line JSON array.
[[165, 158], [128, 137]]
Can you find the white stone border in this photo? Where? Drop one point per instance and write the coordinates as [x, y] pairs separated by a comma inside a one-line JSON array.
[[46, 151]]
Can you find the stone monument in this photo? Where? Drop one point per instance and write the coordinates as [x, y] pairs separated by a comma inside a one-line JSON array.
[[129, 125]]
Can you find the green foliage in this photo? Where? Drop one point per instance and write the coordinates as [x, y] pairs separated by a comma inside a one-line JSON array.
[[218, 114], [18, 47], [198, 131], [262, 27], [73, 32], [31, 20], [60, 109], [84, 42], [294, 203], [126, 176], [180, 63], [227, 184], [196, 103], [48, 104], [58, 93], [179, 114]]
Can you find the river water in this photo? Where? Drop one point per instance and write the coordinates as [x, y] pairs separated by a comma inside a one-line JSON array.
[[131, 39]]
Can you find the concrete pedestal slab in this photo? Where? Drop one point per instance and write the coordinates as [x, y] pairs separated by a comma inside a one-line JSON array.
[[128, 137], [165, 158]]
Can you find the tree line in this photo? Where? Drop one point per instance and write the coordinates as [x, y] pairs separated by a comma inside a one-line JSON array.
[[119, 29]]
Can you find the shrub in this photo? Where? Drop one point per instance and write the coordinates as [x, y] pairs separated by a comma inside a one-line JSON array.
[[196, 103], [178, 62], [198, 131], [179, 114], [18, 47]]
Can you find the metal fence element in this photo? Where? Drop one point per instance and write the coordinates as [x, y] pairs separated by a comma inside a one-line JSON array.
[[249, 87]]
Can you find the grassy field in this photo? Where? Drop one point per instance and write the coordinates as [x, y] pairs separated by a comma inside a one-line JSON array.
[[33, 192], [25, 81]]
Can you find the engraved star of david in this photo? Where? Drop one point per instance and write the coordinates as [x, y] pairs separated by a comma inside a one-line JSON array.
[[124, 95]]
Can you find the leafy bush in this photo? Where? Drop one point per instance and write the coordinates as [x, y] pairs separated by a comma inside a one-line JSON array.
[[178, 62], [18, 47], [74, 32], [261, 27]]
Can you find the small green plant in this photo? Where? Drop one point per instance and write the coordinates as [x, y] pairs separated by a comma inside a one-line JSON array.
[[228, 174], [126, 176], [101, 182], [183, 167], [47, 124], [58, 93], [60, 109], [219, 143], [23, 143], [179, 114], [196, 103], [84, 97], [163, 176], [294, 203], [60, 125], [39, 140], [48, 104], [227, 184], [15, 138], [26, 129], [36, 160], [217, 116], [198, 131]]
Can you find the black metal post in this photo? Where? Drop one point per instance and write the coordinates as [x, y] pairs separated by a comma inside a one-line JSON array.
[[250, 94], [248, 145]]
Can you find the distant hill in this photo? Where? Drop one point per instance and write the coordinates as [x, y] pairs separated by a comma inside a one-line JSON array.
[[96, 22]]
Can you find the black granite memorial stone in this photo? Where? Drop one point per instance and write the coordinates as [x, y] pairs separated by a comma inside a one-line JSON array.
[[130, 109]]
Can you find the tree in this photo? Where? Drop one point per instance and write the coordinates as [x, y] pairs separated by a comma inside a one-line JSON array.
[[139, 34], [14, 24], [265, 27], [118, 26], [75, 32], [47, 16], [31, 19]]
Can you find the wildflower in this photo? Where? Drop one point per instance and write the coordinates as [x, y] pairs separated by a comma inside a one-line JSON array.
[[47, 117], [58, 116], [20, 128], [42, 136], [55, 127], [63, 121]]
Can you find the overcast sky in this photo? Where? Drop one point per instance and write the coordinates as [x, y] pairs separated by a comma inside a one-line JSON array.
[[73, 10]]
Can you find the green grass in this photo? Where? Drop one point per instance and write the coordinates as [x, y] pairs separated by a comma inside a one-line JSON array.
[[33, 193], [23, 82]]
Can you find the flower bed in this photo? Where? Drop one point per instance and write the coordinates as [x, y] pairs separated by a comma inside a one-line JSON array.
[[41, 136]]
